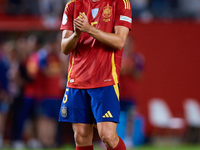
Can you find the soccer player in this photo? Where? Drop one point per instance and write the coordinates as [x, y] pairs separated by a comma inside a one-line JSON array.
[[94, 33]]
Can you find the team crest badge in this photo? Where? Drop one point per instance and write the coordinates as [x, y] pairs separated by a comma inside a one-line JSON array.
[[64, 111], [107, 11], [95, 12]]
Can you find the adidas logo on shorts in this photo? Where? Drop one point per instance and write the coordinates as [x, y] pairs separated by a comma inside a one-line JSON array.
[[108, 115]]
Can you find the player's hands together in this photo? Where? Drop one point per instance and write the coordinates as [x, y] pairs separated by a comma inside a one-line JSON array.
[[77, 31], [81, 23]]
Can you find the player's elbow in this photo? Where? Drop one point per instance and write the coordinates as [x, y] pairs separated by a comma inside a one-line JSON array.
[[64, 49], [120, 45]]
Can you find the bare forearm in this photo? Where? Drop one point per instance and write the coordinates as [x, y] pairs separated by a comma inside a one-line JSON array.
[[110, 39], [115, 40], [69, 44]]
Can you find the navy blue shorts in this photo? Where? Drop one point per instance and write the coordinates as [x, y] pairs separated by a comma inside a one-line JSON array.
[[90, 106]]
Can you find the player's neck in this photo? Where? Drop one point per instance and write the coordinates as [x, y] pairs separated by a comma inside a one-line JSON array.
[[95, 0]]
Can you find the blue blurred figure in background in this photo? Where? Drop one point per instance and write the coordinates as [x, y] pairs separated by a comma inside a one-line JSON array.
[[4, 98]]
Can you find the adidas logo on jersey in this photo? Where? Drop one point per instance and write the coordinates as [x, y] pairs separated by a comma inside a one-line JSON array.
[[108, 115]]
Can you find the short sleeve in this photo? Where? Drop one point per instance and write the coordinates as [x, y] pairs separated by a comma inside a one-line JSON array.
[[123, 14], [67, 20]]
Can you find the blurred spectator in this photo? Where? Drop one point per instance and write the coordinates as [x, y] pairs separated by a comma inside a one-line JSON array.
[[51, 11], [4, 93], [40, 82], [51, 7], [18, 7], [140, 9], [32, 77], [14, 6], [145, 10], [190, 8], [53, 88], [131, 71], [161, 8]]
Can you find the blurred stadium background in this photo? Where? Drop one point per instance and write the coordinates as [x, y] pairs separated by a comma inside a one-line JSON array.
[[166, 33]]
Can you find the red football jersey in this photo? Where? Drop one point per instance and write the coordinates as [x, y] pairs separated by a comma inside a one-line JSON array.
[[33, 89], [52, 82], [92, 63]]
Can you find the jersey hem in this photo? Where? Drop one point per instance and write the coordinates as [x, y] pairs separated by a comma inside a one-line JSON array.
[[89, 87]]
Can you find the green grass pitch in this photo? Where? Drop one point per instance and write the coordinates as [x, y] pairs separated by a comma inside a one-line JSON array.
[[146, 147]]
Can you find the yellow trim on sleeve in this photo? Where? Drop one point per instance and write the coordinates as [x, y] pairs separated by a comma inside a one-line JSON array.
[[69, 3], [129, 5], [125, 4]]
